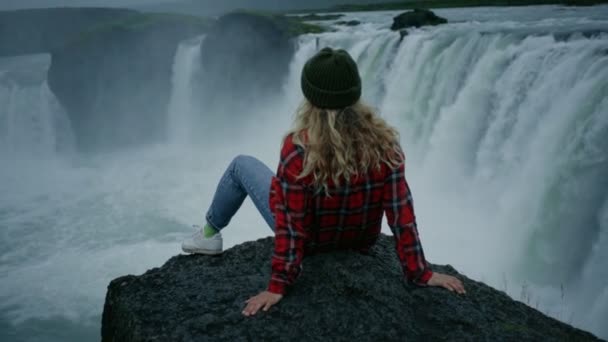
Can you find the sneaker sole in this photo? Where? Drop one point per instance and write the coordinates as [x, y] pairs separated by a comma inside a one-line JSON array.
[[201, 251]]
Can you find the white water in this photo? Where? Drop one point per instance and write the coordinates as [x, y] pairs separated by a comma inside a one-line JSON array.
[[505, 129], [31, 119], [508, 140], [182, 106]]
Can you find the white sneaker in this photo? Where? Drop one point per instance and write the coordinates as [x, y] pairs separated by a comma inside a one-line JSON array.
[[199, 244]]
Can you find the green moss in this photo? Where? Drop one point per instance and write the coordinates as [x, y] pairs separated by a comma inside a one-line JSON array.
[[294, 26], [141, 22], [317, 17], [297, 28]]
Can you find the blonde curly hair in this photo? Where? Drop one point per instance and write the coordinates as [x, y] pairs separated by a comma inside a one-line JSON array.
[[341, 143]]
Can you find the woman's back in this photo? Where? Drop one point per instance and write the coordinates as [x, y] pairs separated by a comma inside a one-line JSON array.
[[347, 215], [341, 168]]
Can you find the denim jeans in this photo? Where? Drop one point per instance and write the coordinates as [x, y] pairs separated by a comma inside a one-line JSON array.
[[244, 176]]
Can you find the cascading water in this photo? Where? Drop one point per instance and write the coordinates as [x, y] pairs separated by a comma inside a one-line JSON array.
[[507, 137], [32, 122], [506, 131], [504, 124], [182, 105]]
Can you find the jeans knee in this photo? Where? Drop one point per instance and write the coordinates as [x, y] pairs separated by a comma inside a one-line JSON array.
[[241, 160]]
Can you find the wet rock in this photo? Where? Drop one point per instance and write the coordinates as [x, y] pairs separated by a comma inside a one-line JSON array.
[[115, 79], [342, 296], [349, 23], [416, 18], [320, 17], [246, 57]]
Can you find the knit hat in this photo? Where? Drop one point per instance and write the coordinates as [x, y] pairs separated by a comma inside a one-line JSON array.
[[330, 79]]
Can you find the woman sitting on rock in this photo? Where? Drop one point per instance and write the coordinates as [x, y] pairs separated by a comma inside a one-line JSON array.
[[341, 168]]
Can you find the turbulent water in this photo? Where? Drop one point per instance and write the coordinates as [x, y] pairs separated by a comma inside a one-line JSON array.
[[503, 115]]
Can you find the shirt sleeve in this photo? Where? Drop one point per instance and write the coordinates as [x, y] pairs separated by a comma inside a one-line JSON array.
[[399, 210], [288, 203]]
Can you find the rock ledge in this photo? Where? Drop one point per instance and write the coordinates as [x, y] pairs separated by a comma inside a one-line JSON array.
[[340, 296]]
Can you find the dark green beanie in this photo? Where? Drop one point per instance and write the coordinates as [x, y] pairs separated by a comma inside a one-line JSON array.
[[330, 79]]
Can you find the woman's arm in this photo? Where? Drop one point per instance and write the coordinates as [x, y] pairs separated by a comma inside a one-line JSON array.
[[288, 198], [399, 208], [290, 208]]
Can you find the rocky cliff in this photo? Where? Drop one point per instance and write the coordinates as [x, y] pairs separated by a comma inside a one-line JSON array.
[[342, 296], [115, 80], [245, 58]]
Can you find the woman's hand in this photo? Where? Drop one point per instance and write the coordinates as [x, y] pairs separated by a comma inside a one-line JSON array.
[[451, 283], [263, 301]]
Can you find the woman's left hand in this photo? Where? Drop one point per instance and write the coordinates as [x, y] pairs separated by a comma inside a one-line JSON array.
[[263, 301]]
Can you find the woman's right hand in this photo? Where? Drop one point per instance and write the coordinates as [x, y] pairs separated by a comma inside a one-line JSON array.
[[449, 282]]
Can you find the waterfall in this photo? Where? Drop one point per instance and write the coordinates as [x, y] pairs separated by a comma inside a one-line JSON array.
[[504, 121], [32, 122], [507, 143], [182, 105]]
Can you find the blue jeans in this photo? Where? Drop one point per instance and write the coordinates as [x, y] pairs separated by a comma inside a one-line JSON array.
[[244, 176]]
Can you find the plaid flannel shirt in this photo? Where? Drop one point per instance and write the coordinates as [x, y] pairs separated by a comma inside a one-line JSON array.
[[351, 218]]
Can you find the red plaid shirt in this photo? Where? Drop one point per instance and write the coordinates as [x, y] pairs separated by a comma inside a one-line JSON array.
[[351, 218]]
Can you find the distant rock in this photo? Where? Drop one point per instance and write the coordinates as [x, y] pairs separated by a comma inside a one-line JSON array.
[[115, 80], [341, 296], [349, 23], [44, 30], [416, 18], [317, 17], [246, 56]]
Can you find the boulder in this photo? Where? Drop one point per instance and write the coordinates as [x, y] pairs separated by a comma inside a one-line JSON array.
[[416, 18], [340, 296], [115, 80], [318, 17], [349, 23], [245, 58]]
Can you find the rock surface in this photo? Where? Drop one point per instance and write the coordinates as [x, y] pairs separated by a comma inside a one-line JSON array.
[[317, 17], [342, 296], [115, 80], [245, 56], [349, 23], [416, 18]]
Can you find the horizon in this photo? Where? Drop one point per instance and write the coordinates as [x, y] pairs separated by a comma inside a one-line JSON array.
[[200, 5]]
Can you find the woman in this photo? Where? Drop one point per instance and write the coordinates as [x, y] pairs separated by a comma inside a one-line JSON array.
[[341, 169]]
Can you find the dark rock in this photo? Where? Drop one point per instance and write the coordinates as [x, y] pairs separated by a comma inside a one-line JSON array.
[[246, 57], [416, 18], [402, 34], [115, 81], [341, 296], [43, 30], [349, 23], [317, 17]]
